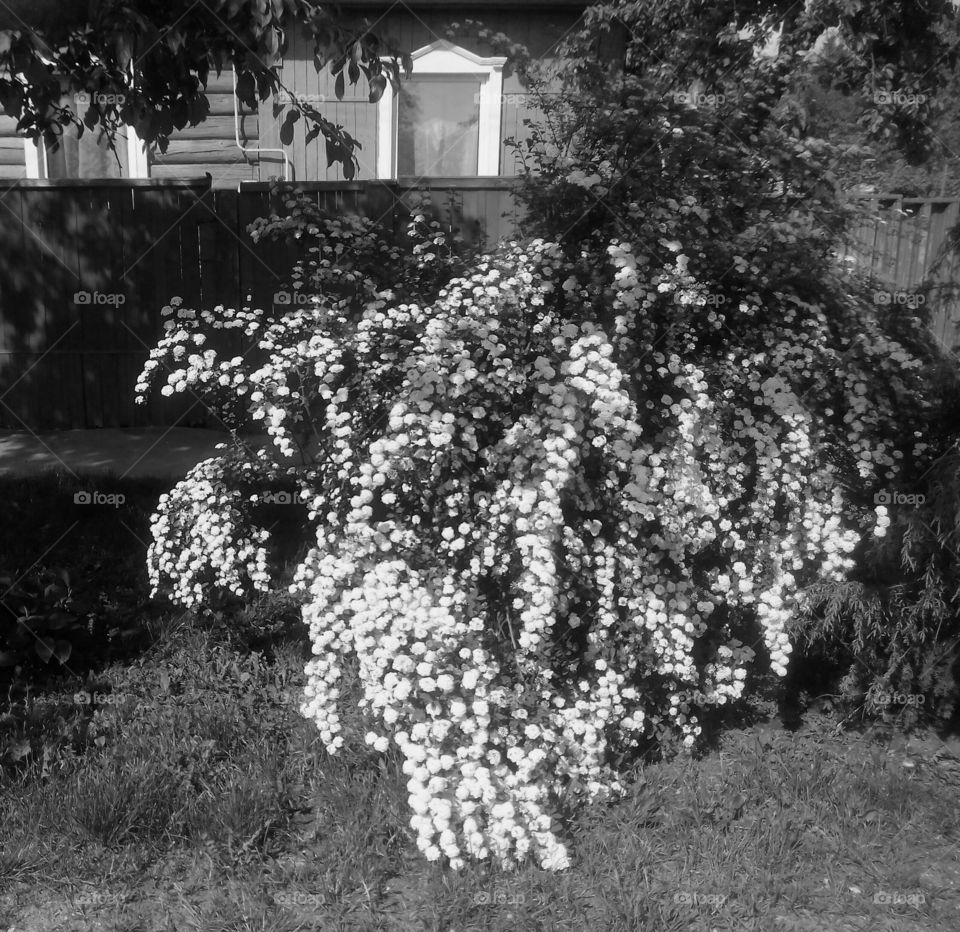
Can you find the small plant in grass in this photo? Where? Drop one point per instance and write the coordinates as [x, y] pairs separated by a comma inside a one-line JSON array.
[[73, 590], [41, 734], [47, 628], [123, 797], [37, 618]]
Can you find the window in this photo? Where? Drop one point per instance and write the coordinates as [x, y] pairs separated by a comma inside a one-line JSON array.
[[446, 121], [89, 156], [438, 127]]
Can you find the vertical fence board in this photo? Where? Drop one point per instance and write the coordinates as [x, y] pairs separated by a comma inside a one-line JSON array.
[[134, 282], [885, 233], [25, 311], [222, 256], [145, 276], [82, 215], [923, 243], [15, 294], [102, 319], [258, 279], [938, 318], [950, 303], [56, 224], [195, 413], [120, 221], [873, 239]]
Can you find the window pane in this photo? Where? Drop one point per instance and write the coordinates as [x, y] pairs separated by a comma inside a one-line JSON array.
[[87, 157], [438, 125]]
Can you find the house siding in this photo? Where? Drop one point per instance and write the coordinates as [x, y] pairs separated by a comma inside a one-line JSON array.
[[539, 29], [210, 147], [12, 157]]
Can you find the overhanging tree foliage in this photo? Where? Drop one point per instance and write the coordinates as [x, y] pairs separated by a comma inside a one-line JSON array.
[[146, 64]]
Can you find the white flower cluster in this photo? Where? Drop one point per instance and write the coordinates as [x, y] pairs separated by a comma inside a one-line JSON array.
[[526, 528], [202, 541]]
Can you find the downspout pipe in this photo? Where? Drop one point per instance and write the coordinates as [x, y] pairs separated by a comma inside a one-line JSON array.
[[248, 149]]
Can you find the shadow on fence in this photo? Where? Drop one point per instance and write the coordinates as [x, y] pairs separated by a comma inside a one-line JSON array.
[[88, 267]]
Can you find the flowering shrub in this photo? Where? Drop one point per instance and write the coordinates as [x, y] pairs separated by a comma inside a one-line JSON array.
[[537, 539], [555, 510], [677, 149]]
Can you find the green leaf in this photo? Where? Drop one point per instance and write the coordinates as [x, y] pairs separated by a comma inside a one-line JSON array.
[[354, 72], [62, 650], [175, 40], [199, 108], [338, 86], [378, 84], [271, 43], [247, 90], [125, 43], [333, 152], [45, 648], [181, 113]]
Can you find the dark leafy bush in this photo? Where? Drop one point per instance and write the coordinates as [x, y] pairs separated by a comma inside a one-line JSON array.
[[38, 618], [892, 631]]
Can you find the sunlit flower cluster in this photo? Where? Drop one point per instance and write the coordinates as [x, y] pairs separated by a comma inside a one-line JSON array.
[[202, 539], [536, 499]]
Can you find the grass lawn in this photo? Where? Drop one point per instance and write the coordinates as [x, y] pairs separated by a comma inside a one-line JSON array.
[[172, 784]]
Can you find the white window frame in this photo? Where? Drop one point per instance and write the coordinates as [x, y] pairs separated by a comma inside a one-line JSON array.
[[444, 59], [138, 165]]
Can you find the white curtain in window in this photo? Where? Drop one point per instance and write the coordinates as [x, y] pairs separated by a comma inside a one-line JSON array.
[[438, 126], [88, 157]]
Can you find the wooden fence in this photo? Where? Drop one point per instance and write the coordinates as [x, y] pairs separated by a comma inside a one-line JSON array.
[[87, 266], [905, 243]]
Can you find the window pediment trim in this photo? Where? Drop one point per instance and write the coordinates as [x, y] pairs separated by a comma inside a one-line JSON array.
[[445, 58]]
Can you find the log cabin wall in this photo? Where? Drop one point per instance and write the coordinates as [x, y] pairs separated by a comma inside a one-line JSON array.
[[537, 27]]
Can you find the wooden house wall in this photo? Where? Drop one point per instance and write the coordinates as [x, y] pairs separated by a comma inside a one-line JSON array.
[[210, 147], [539, 29], [12, 158]]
